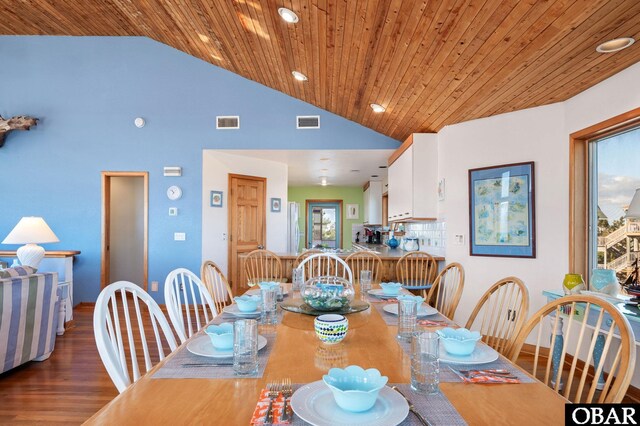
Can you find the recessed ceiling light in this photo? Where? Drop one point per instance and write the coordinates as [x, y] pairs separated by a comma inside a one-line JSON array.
[[288, 15], [382, 167], [615, 45], [299, 76], [355, 171], [377, 108], [374, 176], [324, 159], [323, 181]]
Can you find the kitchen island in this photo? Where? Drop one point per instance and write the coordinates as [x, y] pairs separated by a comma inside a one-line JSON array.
[[388, 256]]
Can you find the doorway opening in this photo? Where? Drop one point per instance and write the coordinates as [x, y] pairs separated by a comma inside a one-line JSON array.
[[323, 224], [125, 228]]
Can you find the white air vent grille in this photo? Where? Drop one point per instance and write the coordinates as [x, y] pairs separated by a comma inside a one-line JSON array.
[[227, 122], [308, 122]]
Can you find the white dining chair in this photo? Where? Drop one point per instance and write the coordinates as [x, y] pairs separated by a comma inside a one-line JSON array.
[[114, 303], [325, 264], [188, 301]]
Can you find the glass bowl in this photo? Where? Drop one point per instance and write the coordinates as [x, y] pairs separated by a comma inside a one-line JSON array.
[[328, 293]]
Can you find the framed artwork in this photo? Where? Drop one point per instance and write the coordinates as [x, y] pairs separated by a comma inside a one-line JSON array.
[[441, 189], [216, 198], [353, 211], [276, 205], [502, 211]]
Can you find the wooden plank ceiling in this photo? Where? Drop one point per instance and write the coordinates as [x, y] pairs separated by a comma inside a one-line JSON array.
[[430, 63]]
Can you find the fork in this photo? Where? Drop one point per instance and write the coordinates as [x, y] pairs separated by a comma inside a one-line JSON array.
[[273, 389], [287, 391]]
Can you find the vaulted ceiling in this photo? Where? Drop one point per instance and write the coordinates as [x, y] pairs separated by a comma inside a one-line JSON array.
[[430, 63]]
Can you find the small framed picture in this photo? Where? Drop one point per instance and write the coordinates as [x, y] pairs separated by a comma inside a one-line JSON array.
[[216, 198], [275, 205], [353, 211]]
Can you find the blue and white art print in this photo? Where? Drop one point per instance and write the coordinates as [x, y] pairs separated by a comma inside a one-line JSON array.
[[502, 211]]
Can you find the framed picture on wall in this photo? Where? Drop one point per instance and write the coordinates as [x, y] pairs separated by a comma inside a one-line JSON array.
[[502, 211], [216, 198], [275, 205], [353, 211]]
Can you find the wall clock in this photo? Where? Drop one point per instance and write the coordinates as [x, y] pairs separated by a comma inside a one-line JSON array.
[[174, 192]]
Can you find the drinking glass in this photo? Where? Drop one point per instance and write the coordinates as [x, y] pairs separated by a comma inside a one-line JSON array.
[[245, 347], [365, 281], [407, 317], [425, 366], [269, 297], [297, 279]]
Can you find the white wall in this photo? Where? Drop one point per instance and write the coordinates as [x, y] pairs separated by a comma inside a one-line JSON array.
[[216, 167]]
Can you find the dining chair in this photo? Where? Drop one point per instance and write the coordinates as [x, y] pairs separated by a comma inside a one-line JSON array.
[[114, 303], [416, 270], [579, 349], [187, 301], [500, 313], [365, 261], [262, 265], [321, 264], [302, 256], [216, 284], [446, 291]]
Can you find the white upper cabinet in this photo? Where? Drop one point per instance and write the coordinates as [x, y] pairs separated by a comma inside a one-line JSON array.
[[373, 203], [413, 179]]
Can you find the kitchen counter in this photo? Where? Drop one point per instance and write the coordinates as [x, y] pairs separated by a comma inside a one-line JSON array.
[[385, 252]]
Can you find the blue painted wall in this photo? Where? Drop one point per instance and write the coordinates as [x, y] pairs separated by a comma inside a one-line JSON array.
[[87, 92]]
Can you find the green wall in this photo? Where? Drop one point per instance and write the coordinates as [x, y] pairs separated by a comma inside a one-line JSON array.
[[348, 195]]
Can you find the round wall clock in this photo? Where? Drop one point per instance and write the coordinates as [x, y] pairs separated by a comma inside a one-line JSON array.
[[174, 192]]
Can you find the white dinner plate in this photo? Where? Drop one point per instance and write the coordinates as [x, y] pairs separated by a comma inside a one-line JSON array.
[[202, 346], [482, 354], [377, 292], [314, 404], [233, 310], [423, 311]]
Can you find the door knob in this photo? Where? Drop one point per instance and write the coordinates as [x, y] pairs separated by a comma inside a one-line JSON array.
[[260, 247]]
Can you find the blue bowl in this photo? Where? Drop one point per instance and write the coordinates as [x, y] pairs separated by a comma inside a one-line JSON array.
[[354, 388], [391, 289], [459, 342], [221, 335], [247, 303]]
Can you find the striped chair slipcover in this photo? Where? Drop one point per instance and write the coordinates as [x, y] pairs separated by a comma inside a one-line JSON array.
[[28, 318]]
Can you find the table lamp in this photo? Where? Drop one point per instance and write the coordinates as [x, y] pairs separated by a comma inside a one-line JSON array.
[[31, 231]]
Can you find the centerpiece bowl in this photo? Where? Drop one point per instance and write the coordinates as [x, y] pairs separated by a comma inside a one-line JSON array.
[[328, 293]]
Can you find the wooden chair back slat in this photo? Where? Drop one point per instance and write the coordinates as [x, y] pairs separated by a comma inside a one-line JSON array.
[[188, 303], [501, 311], [446, 290], [578, 370], [365, 261], [262, 265], [216, 284]]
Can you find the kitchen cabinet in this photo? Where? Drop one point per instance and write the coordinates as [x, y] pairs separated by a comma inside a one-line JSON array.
[[413, 179], [373, 203]]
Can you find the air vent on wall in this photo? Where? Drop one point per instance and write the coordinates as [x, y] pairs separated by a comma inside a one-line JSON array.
[[227, 122], [308, 122]]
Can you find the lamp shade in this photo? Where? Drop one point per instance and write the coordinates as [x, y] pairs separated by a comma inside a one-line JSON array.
[[31, 230], [633, 212]]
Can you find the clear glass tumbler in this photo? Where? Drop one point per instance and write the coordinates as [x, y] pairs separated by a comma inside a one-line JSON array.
[[365, 281], [269, 298], [425, 366], [297, 279], [245, 347], [407, 318]]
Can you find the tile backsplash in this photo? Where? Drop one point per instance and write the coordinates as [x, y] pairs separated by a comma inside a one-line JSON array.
[[430, 234]]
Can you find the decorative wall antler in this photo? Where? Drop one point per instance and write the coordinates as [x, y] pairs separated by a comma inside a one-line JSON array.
[[19, 122]]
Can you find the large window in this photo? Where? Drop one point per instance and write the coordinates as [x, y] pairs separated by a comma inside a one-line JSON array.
[[614, 174]]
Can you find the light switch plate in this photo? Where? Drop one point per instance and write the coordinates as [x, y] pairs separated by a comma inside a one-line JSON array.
[[173, 211], [154, 285], [458, 239], [179, 236]]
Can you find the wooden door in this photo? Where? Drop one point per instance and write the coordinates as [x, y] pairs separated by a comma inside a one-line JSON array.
[[247, 222]]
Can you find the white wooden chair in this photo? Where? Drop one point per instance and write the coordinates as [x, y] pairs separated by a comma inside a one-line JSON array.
[[114, 303], [325, 264], [578, 352], [187, 300], [216, 284]]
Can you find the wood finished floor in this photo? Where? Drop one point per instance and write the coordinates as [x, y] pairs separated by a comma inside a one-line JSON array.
[[72, 384]]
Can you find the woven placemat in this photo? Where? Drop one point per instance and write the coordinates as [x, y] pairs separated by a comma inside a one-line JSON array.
[[435, 408], [391, 319]]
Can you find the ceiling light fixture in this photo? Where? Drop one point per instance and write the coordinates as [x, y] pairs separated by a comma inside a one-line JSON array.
[[377, 108], [324, 159], [288, 15], [615, 45], [299, 76], [382, 167], [323, 181], [355, 171]]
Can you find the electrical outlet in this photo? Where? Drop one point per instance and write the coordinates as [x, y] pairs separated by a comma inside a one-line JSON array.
[[154, 285], [179, 236], [458, 239]]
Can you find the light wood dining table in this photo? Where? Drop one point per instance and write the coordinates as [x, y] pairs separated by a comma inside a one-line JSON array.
[[299, 355]]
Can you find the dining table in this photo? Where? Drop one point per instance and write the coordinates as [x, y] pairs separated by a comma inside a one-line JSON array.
[[298, 354]]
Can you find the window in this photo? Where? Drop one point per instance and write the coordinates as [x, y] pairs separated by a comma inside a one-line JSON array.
[[614, 175], [324, 219]]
